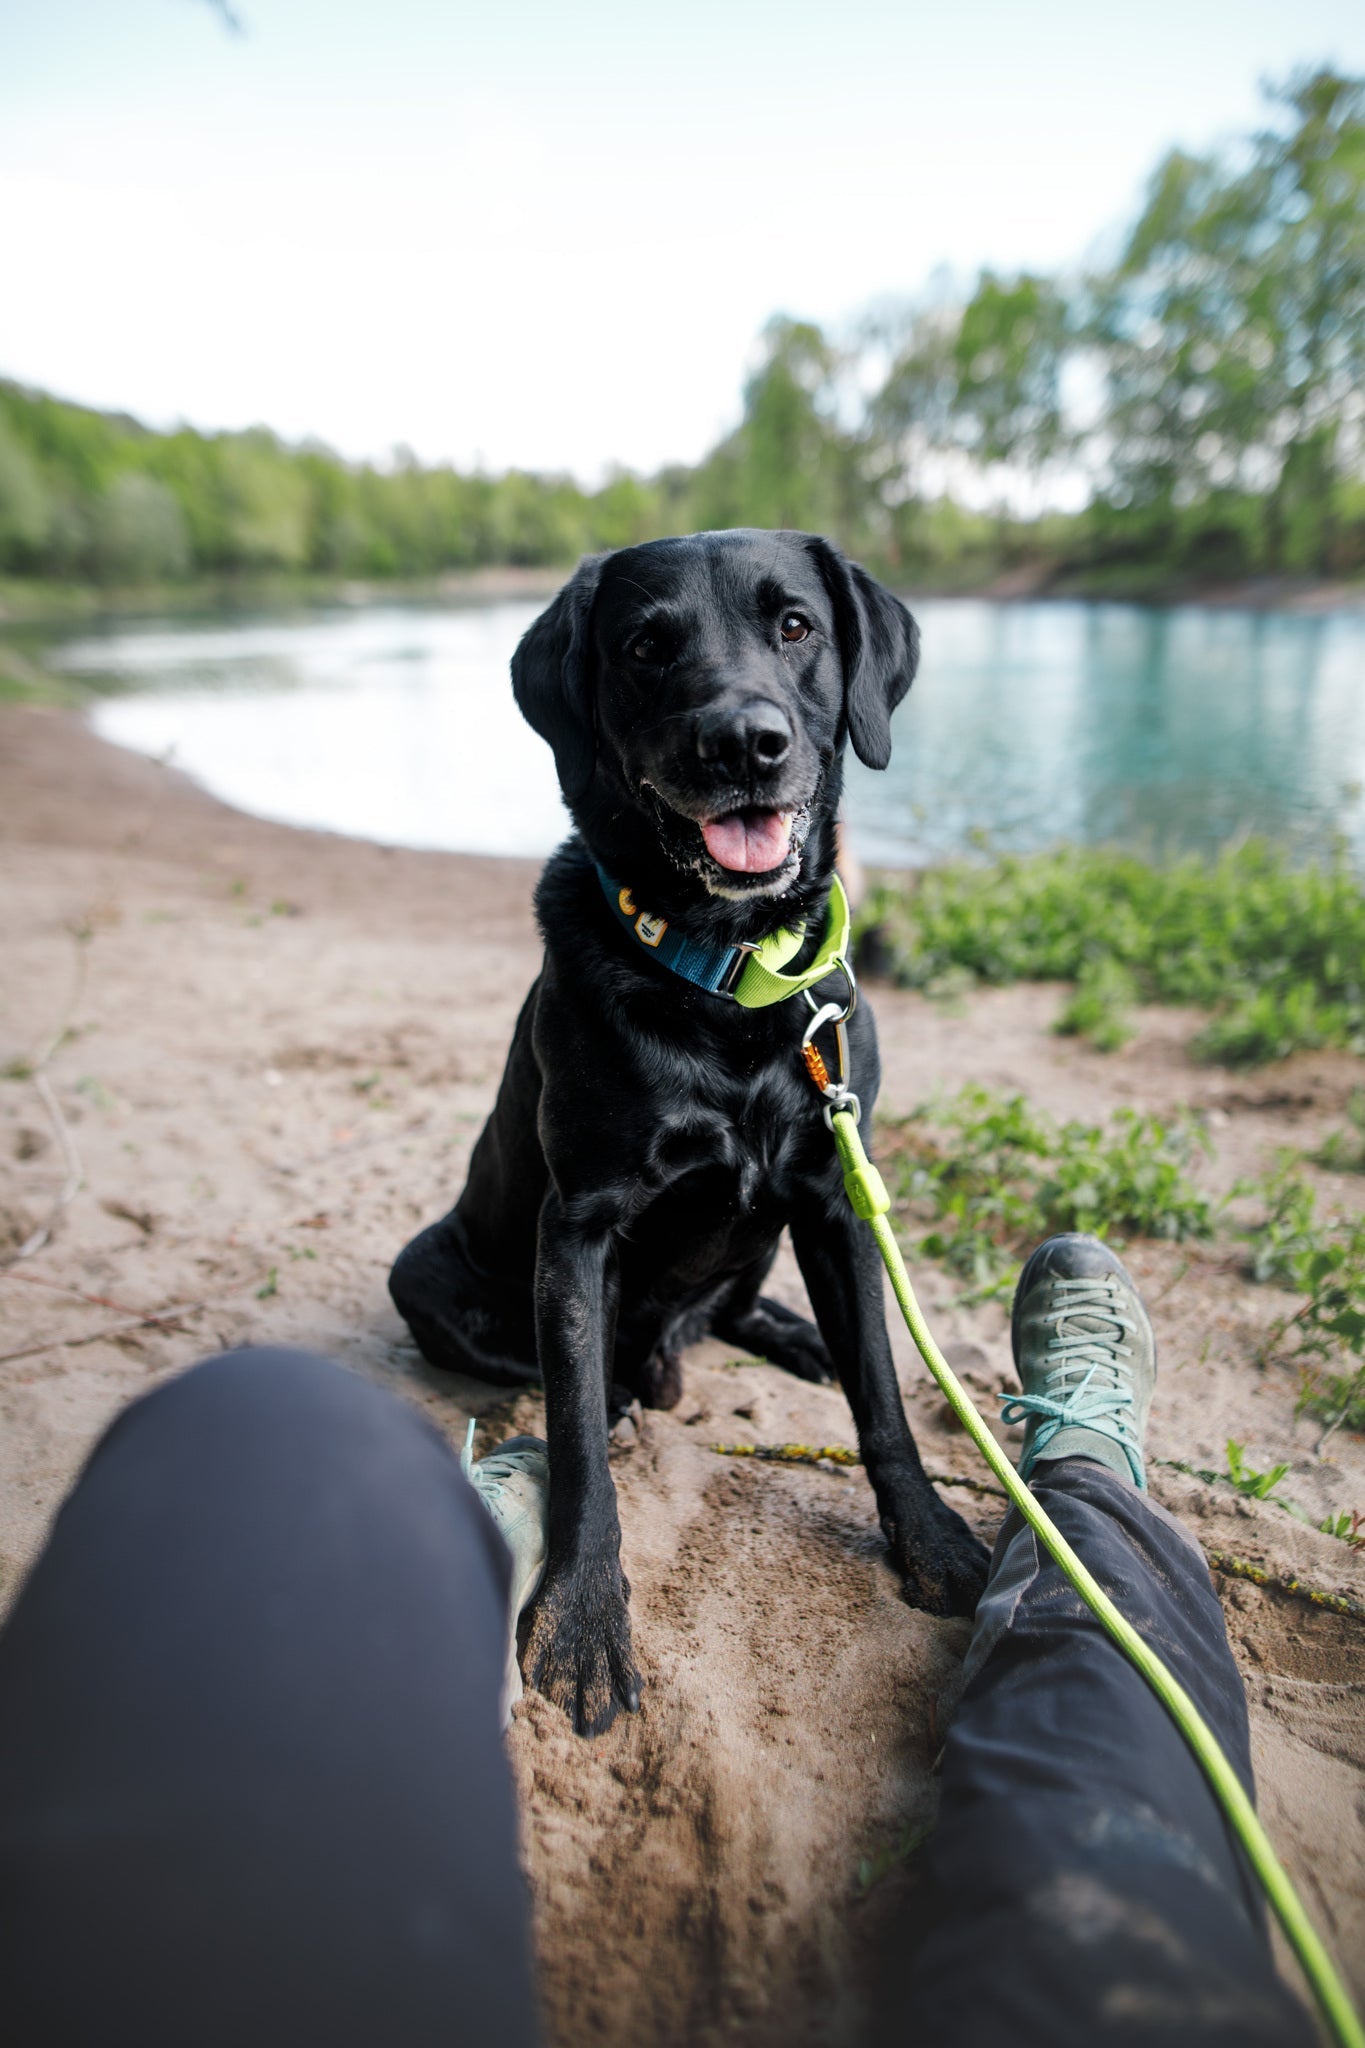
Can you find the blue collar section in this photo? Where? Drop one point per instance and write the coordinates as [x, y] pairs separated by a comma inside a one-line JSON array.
[[713, 968]]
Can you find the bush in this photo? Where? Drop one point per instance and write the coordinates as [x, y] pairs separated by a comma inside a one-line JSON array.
[[1101, 1009], [995, 1177], [1277, 951]]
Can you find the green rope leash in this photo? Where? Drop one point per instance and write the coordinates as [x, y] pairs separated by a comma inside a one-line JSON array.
[[867, 1193]]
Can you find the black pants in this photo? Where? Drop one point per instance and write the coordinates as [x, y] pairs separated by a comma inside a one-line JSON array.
[[252, 1785], [1084, 1885]]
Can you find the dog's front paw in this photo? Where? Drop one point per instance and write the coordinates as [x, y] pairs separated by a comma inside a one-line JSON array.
[[774, 1332], [578, 1650], [942, 1563]]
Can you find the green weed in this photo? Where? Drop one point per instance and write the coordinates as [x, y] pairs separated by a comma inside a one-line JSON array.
[[1289, 1230], [1323, 1259], [1332, 1275], [1336, 1398], [1255, 1485], [1347, 1528], [1260, 1486], [994, 1176], [1101, 1009], [1273, 1023], [1276, 951], [1344, 1151], [270, 1285]]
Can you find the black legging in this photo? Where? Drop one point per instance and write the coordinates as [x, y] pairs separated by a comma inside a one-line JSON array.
[[252, 1780], [253, 1789]]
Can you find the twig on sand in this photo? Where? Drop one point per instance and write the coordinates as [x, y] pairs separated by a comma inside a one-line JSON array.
[[346, 1148], [125, 1308], [173, 1314], [791, 1454], [839, 1454], [1295, 1589]]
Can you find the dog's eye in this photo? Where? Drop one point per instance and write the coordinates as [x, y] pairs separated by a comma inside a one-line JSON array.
[[645, 648], [794, 627]]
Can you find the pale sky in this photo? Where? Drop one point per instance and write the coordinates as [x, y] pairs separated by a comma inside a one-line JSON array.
[[547, 234]]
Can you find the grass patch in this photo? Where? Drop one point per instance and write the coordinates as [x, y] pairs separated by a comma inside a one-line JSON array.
[[1276, 951], [25, 681], [993, 1177]]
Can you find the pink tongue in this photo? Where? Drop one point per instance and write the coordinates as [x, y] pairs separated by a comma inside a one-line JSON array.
[[749, 842]]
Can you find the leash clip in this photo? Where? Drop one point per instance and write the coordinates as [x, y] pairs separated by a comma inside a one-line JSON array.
[[839, 1097]]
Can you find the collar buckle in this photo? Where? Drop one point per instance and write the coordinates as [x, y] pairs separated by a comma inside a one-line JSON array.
[[729, 980]]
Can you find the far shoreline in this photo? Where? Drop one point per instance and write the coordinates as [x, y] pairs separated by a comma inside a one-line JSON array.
[[34, 608]]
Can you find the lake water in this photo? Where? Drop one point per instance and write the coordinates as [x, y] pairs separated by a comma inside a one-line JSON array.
[[1160, 730]]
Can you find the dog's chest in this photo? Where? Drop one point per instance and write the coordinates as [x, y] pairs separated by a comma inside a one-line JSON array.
[[748, 1142]]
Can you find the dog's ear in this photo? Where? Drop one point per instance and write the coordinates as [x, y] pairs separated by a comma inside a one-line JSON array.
[[879, 645], [551, 680]]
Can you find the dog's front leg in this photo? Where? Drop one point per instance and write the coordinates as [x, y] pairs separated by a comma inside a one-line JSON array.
[[943, 1565], [578, 1649]]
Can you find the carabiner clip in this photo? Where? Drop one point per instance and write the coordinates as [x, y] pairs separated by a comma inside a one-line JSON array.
[[837, 1093]]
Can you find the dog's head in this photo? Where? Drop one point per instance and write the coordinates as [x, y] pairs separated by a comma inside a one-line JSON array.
[[698, 693]]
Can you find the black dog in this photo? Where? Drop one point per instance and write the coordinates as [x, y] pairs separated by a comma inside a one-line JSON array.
[[650, 1138]]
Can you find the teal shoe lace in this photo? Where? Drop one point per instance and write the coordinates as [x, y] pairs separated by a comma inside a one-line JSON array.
[[489, 1475], [1086, 1384]]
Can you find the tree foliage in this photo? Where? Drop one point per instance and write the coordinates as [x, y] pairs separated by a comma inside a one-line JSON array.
[[1232, 330], [1228, 340]]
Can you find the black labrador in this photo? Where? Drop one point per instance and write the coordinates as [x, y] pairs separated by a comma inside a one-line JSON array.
[[650, 1138]]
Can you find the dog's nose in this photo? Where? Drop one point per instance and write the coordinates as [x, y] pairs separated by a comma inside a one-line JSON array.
[[748, 739]]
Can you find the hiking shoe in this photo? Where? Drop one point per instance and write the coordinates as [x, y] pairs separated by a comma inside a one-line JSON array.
[[1086, 1357], [514, 1485]]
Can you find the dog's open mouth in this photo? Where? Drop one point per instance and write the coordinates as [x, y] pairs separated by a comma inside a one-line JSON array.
[[746, 850], [749, 842]]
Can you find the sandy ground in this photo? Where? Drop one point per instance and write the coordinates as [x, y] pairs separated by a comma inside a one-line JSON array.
[[278, 1048]]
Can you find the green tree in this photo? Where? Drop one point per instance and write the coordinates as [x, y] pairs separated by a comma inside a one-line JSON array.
[[138, 533], [25, 512], [790, 462], [1007, 357], [1232, 329]]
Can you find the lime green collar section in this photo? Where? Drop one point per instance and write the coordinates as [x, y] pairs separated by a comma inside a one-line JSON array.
[[762, 981], [753, 976]]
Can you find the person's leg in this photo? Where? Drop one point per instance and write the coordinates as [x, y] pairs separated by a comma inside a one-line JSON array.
[[1083, 1884], [252, 1785]]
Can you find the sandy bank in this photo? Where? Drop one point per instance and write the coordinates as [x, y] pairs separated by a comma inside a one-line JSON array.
[[279, 1047]]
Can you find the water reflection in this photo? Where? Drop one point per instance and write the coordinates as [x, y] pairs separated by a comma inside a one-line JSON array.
[[1164, 731]]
